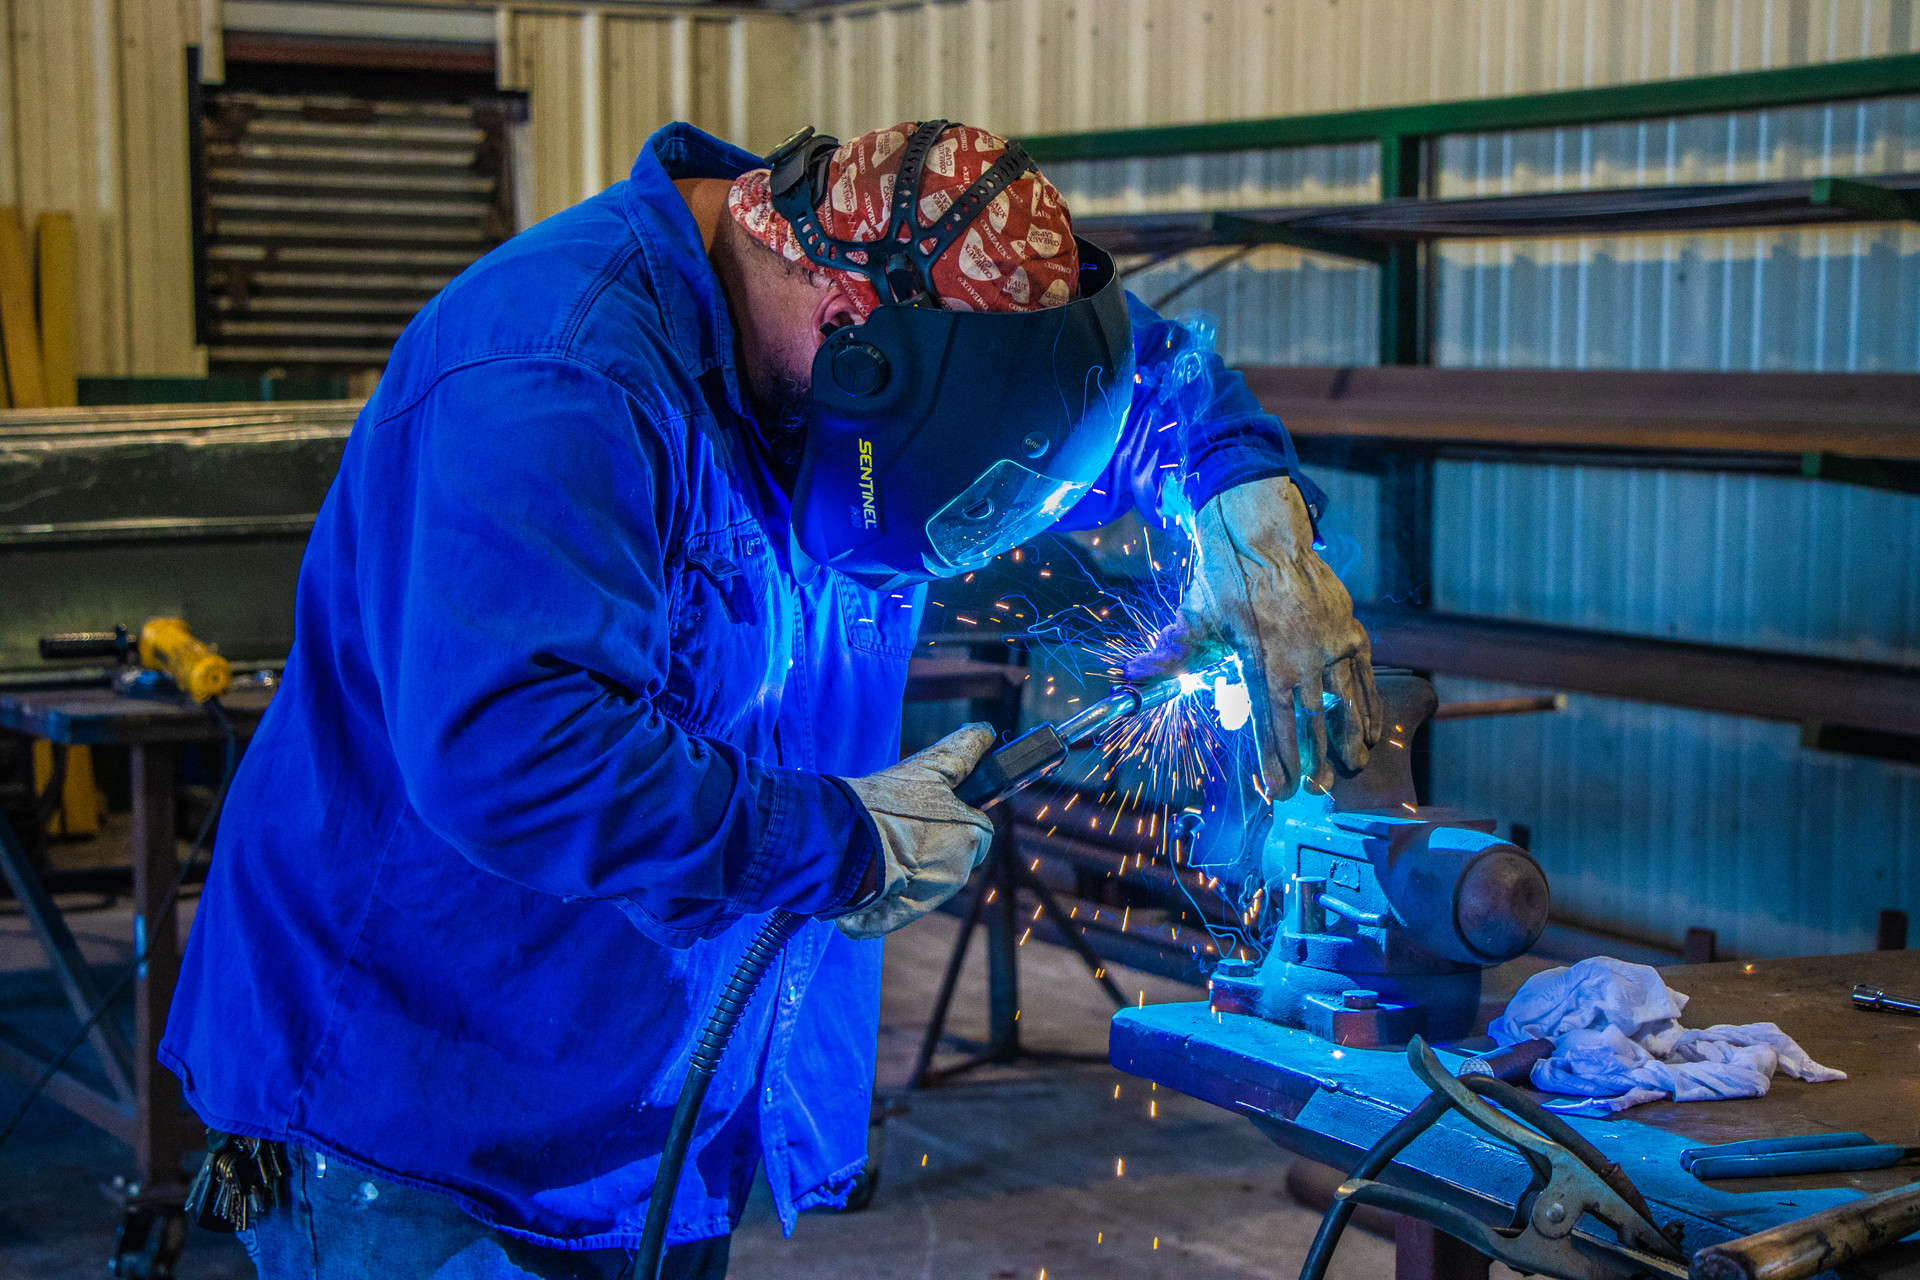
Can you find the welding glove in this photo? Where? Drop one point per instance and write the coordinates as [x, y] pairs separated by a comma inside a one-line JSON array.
[[930, 841], [1260, 591]]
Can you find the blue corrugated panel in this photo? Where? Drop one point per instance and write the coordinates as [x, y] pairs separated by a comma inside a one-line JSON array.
[[1350, 529], [1276, 306], [1261, 179], [1834, 298], [1769, 562], [1649, 820]]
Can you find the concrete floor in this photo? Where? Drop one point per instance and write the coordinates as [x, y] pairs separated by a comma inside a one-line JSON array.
[[1003, 1175]]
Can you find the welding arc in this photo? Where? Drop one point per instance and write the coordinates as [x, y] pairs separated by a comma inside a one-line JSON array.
[[230, 755], [780, 926]]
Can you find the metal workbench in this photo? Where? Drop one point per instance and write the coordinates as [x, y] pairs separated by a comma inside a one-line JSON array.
[[142, 1105], [1330, 1104]]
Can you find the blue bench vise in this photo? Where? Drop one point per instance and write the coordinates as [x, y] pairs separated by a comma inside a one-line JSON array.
[[1387, 911]]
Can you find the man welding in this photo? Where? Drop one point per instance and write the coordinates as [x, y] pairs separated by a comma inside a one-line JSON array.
[[602, 634]]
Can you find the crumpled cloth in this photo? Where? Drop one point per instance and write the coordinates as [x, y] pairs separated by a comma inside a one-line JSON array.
[[1618, 1042]]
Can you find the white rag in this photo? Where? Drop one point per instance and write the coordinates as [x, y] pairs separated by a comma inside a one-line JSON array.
[[1618, 1041]]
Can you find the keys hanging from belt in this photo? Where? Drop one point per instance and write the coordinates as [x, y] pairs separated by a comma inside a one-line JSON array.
[[239, 1181]]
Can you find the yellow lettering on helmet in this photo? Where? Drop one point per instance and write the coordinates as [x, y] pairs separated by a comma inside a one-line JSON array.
[[869, 514]]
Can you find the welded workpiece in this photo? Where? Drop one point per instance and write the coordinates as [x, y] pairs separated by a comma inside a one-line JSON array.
[[1388, 911]]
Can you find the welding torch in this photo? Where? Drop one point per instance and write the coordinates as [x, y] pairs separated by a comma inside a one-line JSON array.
[[1041, 750]]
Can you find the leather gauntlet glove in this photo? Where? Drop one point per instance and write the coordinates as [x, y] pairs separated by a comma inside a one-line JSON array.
[[1260, 590], [930, 840]]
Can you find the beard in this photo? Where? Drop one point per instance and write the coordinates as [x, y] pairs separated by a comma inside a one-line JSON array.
[[781, 402]]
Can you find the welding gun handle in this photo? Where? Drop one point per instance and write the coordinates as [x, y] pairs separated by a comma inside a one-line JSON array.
[[1512, 1064], [86, 644], [1008, 767]]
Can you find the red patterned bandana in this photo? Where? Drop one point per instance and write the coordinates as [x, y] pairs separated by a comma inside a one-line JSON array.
[[1017, 255]]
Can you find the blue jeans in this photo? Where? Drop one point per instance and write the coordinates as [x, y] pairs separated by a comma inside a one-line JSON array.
[[341, 1224]]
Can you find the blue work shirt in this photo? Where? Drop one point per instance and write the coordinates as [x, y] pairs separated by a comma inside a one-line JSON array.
[[552, 741]]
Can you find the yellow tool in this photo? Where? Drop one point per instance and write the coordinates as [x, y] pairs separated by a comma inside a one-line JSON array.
[[164, 645], [167, 645]]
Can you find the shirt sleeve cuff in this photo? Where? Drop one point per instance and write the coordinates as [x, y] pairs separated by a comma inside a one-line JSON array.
[[862, 876]]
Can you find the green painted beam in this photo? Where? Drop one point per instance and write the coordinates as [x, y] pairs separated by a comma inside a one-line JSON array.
[[1401, 287], [1702, 95], [1868, 199], [1895, 475]]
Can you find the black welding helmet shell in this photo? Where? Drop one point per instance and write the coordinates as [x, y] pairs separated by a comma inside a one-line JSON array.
[[939, 439]]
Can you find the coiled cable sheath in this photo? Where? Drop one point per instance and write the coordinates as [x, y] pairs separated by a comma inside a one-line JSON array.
[[733, 1000]]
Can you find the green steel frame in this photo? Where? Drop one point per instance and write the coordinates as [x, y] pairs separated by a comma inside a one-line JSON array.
[[1407, 137], [1406, 134], [1702, 95]]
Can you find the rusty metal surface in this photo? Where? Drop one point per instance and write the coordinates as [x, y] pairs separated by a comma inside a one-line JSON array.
[[1809, 997]]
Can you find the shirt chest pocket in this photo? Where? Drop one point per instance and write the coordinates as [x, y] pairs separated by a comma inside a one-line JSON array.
[[732, 632], [878, 622]]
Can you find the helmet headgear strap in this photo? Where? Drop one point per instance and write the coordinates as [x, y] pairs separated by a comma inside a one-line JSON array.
[[900, 262]]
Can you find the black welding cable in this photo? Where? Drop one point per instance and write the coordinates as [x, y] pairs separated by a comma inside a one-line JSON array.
[[1378, 1157], [231, 756], [780, 926]]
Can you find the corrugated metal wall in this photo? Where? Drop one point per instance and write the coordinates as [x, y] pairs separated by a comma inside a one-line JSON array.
[[1832, 298], [1652, 819], [599, 80], [1649, 819], [1029, 66], [1768, 562], [93, 122]]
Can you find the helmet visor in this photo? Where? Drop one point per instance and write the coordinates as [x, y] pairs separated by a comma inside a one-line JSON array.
[[1004, 507]]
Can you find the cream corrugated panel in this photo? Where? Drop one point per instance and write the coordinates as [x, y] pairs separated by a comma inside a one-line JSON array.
[[767, 107], [709, 102], [9, 137], [67, 120], [1101, 64], [96, 115], [600, 81], [638, 92], [153, 76], [545, 49]]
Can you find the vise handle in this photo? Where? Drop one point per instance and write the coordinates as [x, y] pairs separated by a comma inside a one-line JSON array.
[[1514, 1064], [1796, 1250]]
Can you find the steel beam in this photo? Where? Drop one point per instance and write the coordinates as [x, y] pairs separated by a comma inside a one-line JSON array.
[[1865, 415], [1795, 688]]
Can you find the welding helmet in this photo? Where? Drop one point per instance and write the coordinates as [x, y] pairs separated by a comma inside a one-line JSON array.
[[939, 439]]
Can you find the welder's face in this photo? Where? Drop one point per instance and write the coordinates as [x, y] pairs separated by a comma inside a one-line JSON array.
[[780, 395], [779, 339]]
